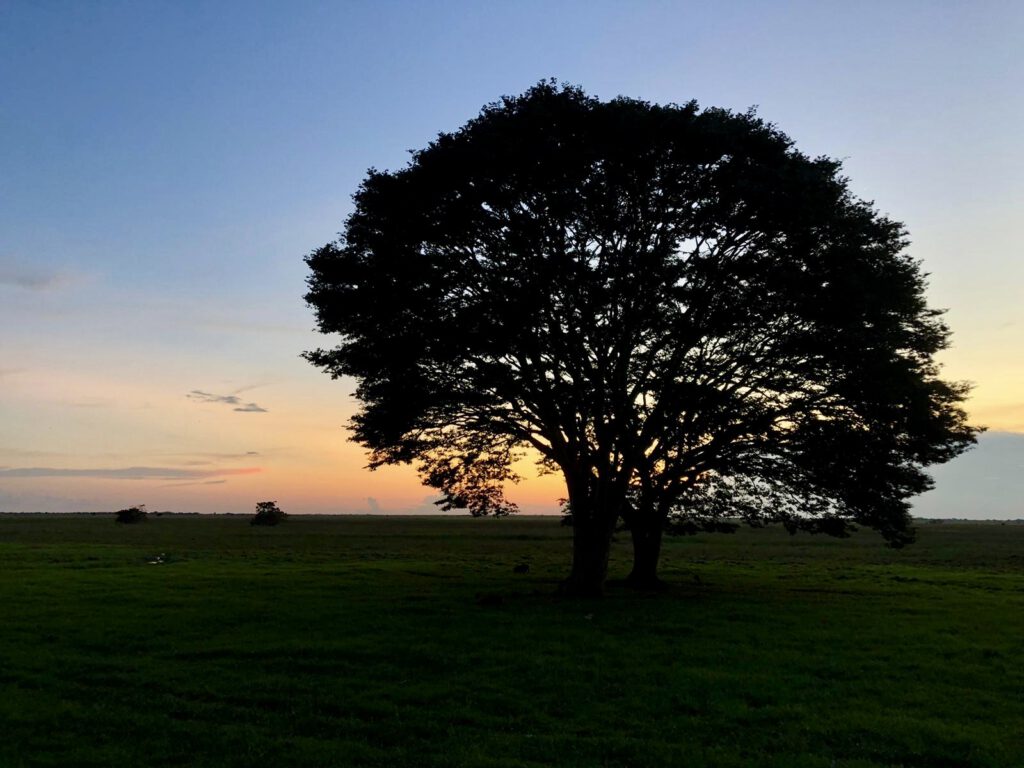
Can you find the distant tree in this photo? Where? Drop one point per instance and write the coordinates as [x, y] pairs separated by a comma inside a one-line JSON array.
[[267, 513], [132, 514], [687, 318]]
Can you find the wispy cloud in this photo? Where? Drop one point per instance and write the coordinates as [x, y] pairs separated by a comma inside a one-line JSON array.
[[251, 408], [199, 482], [208, 397], [127, 473], [30, 277], [205, 458], [95, 402]]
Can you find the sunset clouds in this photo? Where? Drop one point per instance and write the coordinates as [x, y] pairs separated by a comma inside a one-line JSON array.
[[126, 473], [234, 400]]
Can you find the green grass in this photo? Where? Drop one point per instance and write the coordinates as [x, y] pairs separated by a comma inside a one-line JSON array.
[[361, 641]]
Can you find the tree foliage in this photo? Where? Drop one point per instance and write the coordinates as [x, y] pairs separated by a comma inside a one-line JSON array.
[[690, 320]]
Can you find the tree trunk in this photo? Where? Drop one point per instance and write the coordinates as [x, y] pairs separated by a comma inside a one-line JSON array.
[[646, 551], [591, 547]]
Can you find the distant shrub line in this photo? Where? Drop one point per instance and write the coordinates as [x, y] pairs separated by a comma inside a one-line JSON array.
[[267, 513]]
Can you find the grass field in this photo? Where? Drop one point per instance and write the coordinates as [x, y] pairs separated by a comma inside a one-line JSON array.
[[382, 642]]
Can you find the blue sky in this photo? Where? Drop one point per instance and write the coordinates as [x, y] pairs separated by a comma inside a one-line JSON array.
[[164, 167]]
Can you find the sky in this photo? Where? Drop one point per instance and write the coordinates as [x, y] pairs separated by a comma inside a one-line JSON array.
[[165, 167]]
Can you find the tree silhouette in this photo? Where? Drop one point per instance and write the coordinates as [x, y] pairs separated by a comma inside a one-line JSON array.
[[686, 317], [267, 513], [131, 515]]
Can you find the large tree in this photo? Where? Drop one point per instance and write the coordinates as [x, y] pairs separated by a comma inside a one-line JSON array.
[[690, 320]]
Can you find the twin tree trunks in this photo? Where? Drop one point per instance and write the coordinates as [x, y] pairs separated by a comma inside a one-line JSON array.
[[594, 526], [591, 551]]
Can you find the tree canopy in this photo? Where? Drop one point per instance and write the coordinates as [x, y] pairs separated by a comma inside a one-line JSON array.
[[690, 320]]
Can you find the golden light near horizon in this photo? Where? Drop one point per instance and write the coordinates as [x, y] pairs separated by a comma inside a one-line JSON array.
[[997, 380]]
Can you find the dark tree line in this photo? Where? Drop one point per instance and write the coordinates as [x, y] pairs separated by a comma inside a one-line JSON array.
[[688, 319]]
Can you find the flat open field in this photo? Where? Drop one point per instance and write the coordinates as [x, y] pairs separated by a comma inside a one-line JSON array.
[[365, 641]]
